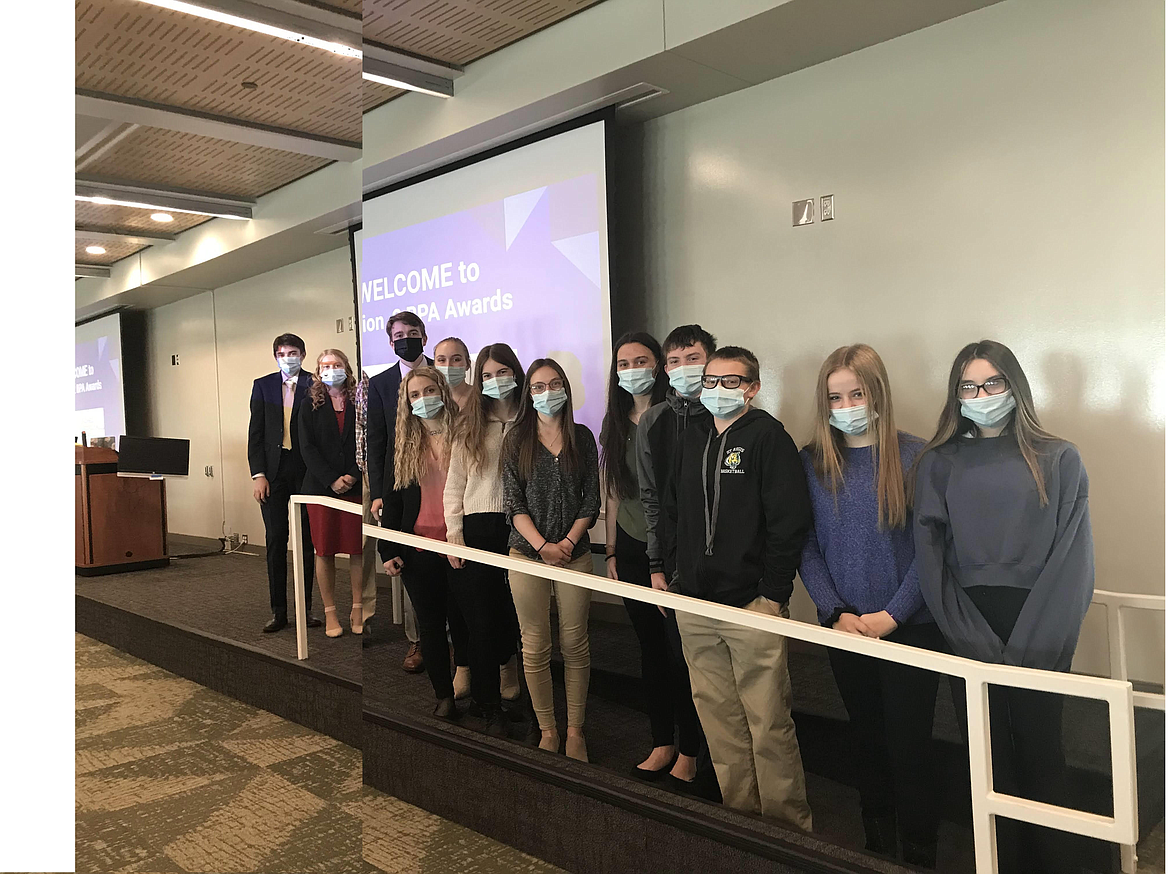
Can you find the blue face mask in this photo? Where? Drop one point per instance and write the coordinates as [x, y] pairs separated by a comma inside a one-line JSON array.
[[990, 411], [550, 401], [723, 403], [687, 379], [454, 375], [499, 387], [332, 376], [290, 365], [637, 380], [853, 421], [427, 406]]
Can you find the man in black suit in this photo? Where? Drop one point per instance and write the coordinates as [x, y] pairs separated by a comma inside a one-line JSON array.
[[274, 456], [408, 336]]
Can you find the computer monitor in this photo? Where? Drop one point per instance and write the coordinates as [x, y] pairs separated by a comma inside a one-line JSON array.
[[153, 456]]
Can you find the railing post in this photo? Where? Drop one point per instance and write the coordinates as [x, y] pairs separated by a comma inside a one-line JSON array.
[[979, 751], [295, 528]]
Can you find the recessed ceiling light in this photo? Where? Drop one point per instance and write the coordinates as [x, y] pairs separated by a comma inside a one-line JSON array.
[[162, 217], [257, 26], [95, 250]]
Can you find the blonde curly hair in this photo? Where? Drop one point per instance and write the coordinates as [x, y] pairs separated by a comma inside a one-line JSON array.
[[410, 432]]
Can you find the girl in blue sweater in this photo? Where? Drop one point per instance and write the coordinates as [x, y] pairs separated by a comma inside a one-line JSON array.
[[858, 567]]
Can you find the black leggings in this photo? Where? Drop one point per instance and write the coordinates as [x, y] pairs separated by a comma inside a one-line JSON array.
[[891, 721], [1027, 752], [431, 582], [489, 531], [664, 673]]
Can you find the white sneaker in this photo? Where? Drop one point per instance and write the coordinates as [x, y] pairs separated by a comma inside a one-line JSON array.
[[462, 683], [510, 681]]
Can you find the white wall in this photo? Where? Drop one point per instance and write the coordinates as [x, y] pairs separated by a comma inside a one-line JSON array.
[[999, 175], [224, 340], [183, 403]]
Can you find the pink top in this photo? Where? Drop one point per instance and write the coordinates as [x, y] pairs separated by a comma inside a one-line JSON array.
[[431, 522]]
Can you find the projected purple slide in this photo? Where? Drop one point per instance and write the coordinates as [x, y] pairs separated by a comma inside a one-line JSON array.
[[97, 386], [525, 270]]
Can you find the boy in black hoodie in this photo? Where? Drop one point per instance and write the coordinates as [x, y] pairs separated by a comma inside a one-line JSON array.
[[739, 514]]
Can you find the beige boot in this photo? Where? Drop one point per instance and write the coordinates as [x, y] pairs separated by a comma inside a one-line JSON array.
[[510, 681]]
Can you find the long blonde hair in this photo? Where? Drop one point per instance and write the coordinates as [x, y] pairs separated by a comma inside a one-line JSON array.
[[827, 441], [318, 391], [410, 432]]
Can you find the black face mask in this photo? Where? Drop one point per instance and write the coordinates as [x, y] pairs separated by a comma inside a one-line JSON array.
[[409, 349]]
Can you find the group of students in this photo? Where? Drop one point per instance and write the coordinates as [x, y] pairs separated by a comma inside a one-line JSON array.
[[975, 542]]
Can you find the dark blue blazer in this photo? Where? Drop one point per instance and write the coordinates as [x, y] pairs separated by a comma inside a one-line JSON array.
[[328, 452], [266, 425], [381, 416]]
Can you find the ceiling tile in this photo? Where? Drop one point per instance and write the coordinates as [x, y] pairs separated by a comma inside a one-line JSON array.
[[114, 251], [129, 220]]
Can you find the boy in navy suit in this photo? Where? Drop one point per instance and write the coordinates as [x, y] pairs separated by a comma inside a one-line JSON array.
[[274, 457]]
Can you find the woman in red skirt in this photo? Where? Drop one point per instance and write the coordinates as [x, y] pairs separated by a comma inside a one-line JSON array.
[[329, 446]]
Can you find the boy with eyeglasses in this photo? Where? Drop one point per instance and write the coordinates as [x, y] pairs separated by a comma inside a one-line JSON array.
[[738, 515]]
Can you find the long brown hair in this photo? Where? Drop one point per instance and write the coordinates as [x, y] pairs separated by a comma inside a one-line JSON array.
[[318, 391], [523, 439], [827, 442], [620, 481], [1024, 425], [473, 422], [410, 434]]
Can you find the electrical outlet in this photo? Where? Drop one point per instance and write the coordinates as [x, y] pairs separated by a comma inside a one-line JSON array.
[[826, 207], [243, 539], [174, 361]]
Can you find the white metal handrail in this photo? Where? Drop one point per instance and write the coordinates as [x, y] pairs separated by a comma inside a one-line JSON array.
[[986, 803]]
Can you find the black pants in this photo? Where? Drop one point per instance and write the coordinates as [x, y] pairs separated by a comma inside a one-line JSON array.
[[457, 626], [1027, 752], [891, 722], [489, 531], [274, 511], [432, 583], [664, 672]]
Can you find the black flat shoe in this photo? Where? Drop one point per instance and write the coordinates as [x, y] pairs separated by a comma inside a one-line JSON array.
[[648, 776], [497, 723], [313, 621], [446, 709], [674, 784], [276, 623]]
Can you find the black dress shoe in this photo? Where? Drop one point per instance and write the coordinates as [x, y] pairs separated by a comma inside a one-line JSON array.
[[276, 623], [446, 709], [497, 722], [312, 622], [652, 776]]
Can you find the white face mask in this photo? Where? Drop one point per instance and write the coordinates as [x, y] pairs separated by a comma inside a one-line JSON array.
[[636, 380], [990, 411], [853, 421], [290, 365], [332, 376], [454, 375], [427, 406], [687, 379], [499, 387], [723, 403]]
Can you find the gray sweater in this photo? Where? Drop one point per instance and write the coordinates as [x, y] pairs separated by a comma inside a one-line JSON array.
[[978, 523], [553, 498]]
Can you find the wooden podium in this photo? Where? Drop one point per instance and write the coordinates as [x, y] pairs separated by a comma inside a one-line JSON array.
[[121, 521]]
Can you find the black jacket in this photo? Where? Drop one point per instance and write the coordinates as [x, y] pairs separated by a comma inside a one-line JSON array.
[[381, 417], [327, 453], [760, 513], [399, 513], [266, 425], [659, 432]]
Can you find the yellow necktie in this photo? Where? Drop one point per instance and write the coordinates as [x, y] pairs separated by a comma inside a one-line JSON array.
[[289, 388]]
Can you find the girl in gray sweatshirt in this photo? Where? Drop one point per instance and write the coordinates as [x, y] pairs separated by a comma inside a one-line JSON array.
[[1005, 565]]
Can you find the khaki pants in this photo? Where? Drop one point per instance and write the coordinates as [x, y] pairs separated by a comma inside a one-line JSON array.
[[739, 680], [532, 596]]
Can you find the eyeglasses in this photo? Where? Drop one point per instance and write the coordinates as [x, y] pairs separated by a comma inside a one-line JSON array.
[[997, 385], [731, 380], [539, 388]]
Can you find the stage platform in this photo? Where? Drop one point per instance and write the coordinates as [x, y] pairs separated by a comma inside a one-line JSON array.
[[201, 619]]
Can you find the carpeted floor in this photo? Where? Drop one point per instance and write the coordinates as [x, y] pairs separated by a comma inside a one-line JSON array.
[[172, 777]]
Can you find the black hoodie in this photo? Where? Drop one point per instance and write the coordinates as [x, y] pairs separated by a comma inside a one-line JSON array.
[[738, 527]]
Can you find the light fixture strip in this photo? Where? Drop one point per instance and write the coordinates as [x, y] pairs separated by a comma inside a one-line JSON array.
[[402, 83], [109, 201], [257, 26]]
